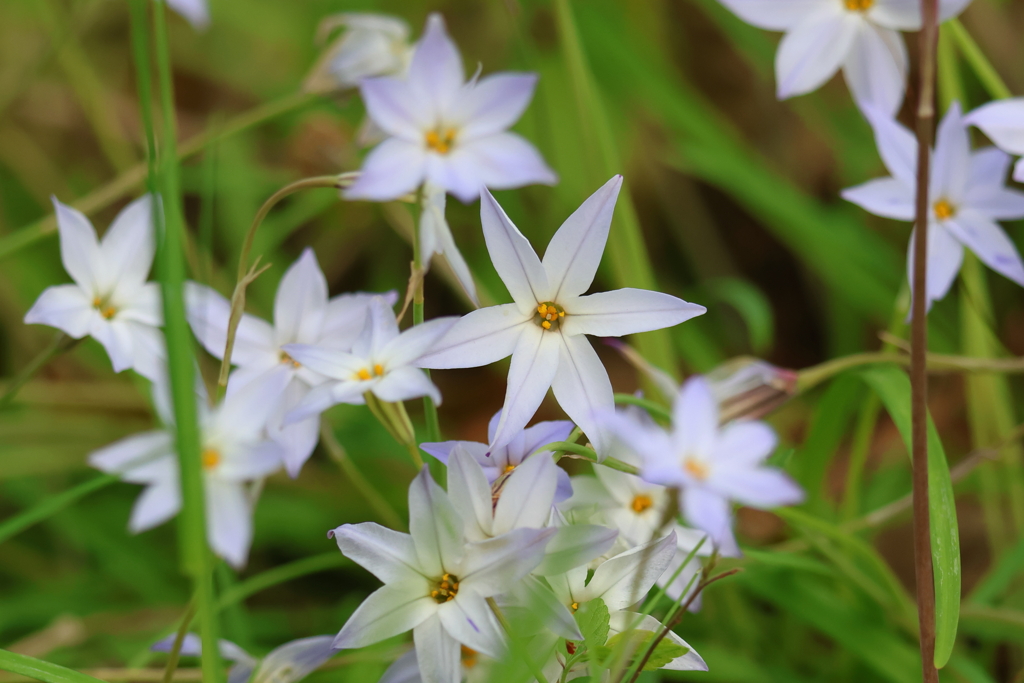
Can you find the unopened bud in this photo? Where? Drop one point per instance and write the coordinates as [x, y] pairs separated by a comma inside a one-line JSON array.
[[750, 388], [370, 45]]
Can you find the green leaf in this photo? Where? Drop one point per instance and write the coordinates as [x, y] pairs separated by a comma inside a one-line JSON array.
[[40, 670], [592, 617], [893, 387], [752, 306], [1000, 578], [636, 642]]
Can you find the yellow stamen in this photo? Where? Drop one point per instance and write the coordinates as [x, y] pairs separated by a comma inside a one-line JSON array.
[[108, 312], [211, 458], [574, 606], [285, 358], [364, 374], [440, 143], [944, 210], [696, 468], [859, 5], [641, 502], [469, 657], [549, 315], [378, 370], [546, 324], [447, 589], [509, 468], [104, 308]]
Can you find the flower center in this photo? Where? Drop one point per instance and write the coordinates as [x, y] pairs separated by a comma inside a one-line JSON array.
[[366, 373], [574, 606], [859, 5], [944, 210], [211, 458], [285, 358], [447, 589], [440, 141], [104, 307], [509, 468], [469, 657], [549, 315], [697, 469], [641, 502]]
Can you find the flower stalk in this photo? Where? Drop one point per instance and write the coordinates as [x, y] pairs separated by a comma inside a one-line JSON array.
[[925, 121]]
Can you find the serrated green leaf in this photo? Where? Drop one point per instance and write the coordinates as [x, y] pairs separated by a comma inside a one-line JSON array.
[[592, 617]]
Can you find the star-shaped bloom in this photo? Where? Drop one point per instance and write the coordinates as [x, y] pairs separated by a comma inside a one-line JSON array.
[[303, 314], [861, 37], [1003, 123], [446, 130], [545, 329], [710, 465], [621, 582], [435, 582], [110, 299], [967, 195], [197, 12], [287, 663], [504, 459], [383, 361], [235, 452]]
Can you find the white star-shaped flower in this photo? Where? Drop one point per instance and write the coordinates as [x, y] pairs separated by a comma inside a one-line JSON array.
[[545, 329], [383, 361], [303, 314], [861, 37], [235, 452], [966, 196], [711, 465], [1003, 123], [435, 583], [110, 299], [445, 130]]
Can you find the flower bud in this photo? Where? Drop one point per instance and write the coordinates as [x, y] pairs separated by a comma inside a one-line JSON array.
[[750, 388], [370, 45]]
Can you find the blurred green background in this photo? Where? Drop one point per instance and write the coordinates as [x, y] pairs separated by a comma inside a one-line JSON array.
[[736, 196]]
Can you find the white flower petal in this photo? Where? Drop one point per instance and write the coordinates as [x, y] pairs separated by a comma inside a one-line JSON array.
[[813, 50], [404, 383], [583, 389], [145, 305], [987, 239], [710, 512], [298, 439], [131, 452], [774, 15], [493, 103], [395, 107], [245, 412], [435, 526], [986, 191], [625, 579], [896, 145], [415, 342], [197, 12], [626, 311], [527, 496], [480, 337], [876, 68], [492, 566], [329, 362], [744, 443], [79, 250], [886, 197], [575, 250], [228, 520], [1003, 122], [208, 314], [405, 669], [901, 15], [435, 71], [1018, 171], [295, 660], [951, 8], [65, 307], [252, 460], [574, 546], [687, 578], [446, 245], [695, 418], [388, 555], [394, 168], [470, 493], [346, 317], [763, 487], [951, 164], [513, 257], [469, 620], [149, 351], [438, 654], [534, 365], [389, 611], [500, 161], [128, 246], [319, 399], [116, 338], [691, 661], [158, 503], [300, 304], [945, 256]]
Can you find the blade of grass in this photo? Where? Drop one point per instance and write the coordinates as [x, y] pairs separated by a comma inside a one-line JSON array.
[[41, 671], [51, 505]]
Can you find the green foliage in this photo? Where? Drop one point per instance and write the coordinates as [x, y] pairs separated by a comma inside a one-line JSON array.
[[635, 643]]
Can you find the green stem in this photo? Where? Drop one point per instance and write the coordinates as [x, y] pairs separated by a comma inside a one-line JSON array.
[[51, 505], [279, 575], [983, 69], [656, 409], [61, 343], [195, 552], [560, 447], [863, 435], [179, 640], [339, 455], [514, 641], [39, 670]]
